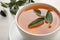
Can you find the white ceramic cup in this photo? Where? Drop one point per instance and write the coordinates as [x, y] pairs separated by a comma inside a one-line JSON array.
[[30, 35]]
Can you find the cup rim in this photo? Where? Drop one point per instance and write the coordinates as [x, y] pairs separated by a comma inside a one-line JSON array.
[[29, 32]]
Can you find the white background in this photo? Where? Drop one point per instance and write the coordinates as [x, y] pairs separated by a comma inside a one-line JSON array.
[[5, 22]]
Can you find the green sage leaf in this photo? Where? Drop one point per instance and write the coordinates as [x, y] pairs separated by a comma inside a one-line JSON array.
[[36, 22], [49, 17], [14, 9], [38, 12], [4, 4], [11, 4], [20, 3], [31, 1], [3, 13], [23, 0], [13, 0]]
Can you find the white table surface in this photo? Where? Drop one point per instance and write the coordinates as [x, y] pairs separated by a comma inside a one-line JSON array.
[[5, 22]]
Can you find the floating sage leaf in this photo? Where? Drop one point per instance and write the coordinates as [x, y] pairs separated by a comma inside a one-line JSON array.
[[36, 22], [38, 12], [49, 17], [4, 4], [14, 9], [3, 13]]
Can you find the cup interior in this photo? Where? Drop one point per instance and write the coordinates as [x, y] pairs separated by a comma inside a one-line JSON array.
[[26, 8]]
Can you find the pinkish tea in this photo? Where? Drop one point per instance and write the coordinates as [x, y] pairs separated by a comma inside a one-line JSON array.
[[28, 15]]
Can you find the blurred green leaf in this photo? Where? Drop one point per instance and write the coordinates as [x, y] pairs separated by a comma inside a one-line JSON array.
[[23, 0], [20, 3], [4, 4], [14, 6], [3, 13], [14, 9], [11, 4], [31, 1], [13, 0]]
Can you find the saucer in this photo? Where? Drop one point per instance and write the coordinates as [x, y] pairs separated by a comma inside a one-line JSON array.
[[14, 34]]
